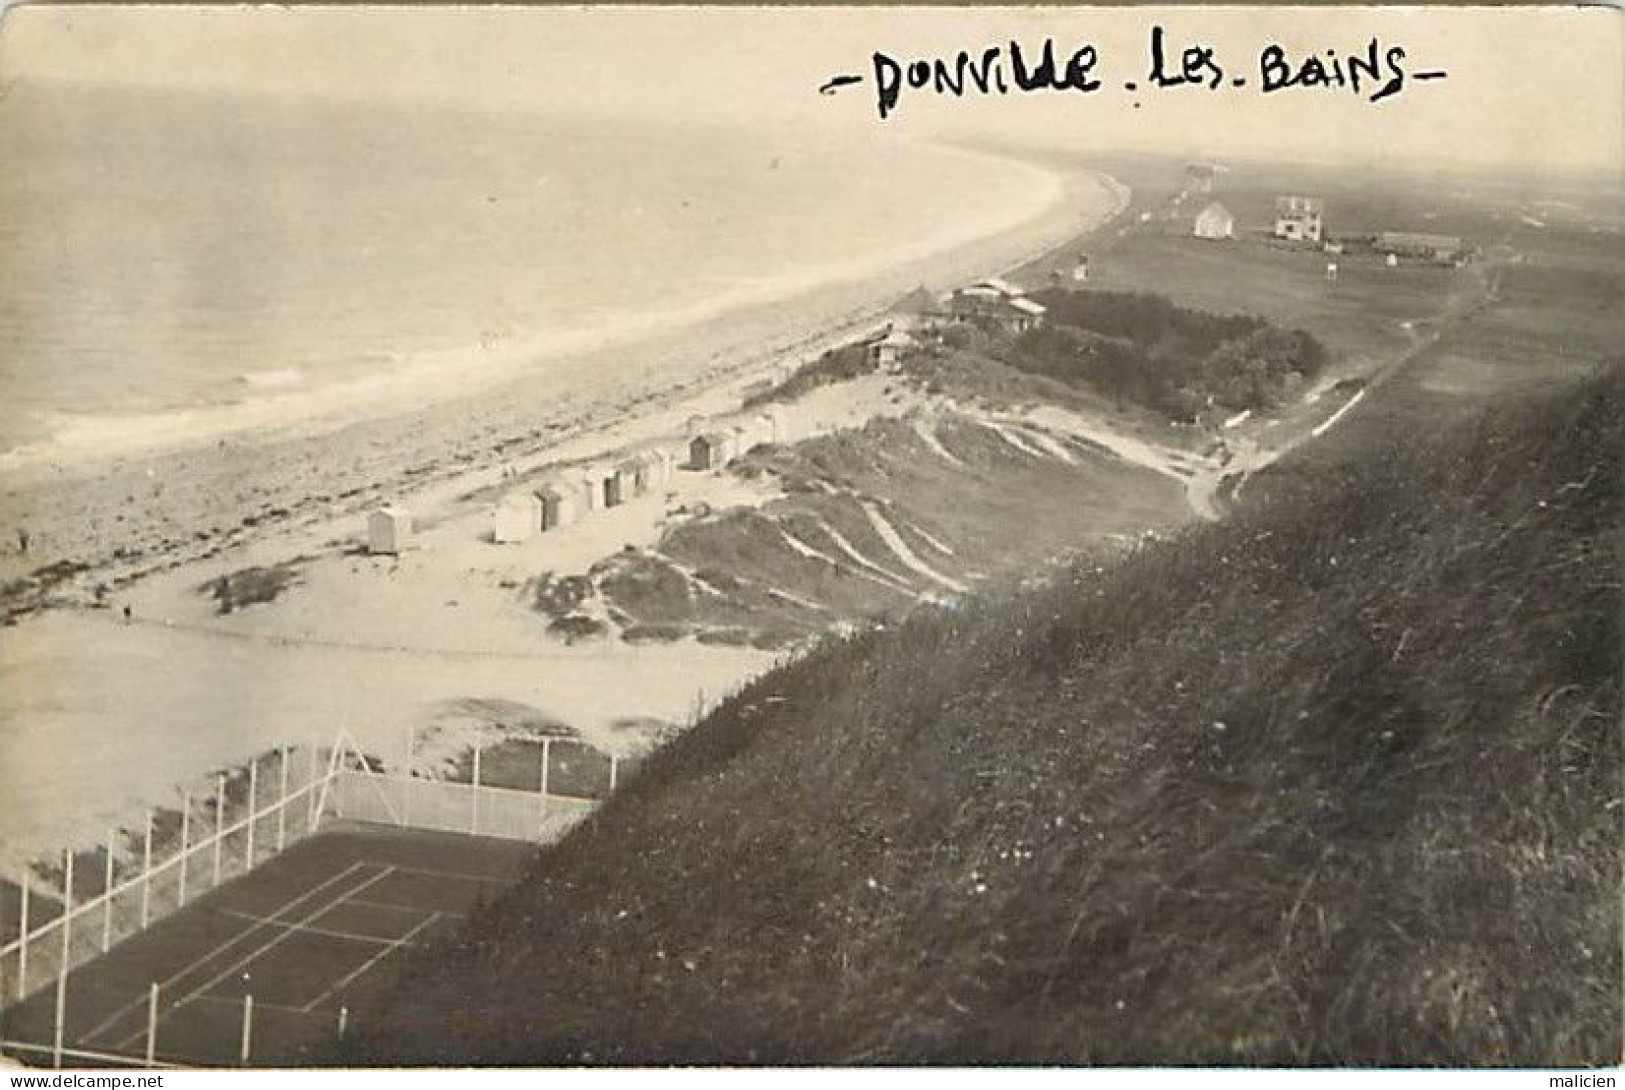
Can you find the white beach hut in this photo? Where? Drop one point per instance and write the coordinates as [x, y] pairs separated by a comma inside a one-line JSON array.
[[389, 528], [558, 503], [615, 485], [711, 450], [588, 488], [634, 479], [517, 517]]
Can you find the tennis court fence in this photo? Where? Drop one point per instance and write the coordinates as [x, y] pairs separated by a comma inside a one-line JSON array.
[[65, 913]]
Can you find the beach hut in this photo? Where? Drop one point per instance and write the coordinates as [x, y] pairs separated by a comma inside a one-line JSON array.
[[558, 504], [668, 463], [634, 476], [389, 528], [517, 517], [650, 469], [588, 496], [614, 483], [711, 450]]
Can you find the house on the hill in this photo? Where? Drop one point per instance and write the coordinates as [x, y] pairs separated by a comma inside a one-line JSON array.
[[1419, 246], [1215, 221], [987, 305], [1298, 219], [517, 517], [389, 528]]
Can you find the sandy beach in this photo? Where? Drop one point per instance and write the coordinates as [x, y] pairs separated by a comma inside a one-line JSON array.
[[115, 716]]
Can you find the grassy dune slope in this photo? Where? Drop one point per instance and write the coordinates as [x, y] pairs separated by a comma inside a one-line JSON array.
[[1334, 781]]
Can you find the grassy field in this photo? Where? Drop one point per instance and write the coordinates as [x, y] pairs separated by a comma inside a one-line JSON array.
[[1335, 781]]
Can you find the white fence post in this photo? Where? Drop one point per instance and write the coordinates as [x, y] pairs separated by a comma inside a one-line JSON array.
[[67, 906], [474, 795], [107, 896], [614, 768], [186, 841], [344, 1019], [22, 939], [253, 800], [282, 804], [547, 748], [146, 873], [60, 1012], [152, 1021], [219, 823], [315, 766], [248, 1028]]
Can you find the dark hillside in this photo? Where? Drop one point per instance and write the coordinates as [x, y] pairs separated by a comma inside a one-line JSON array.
[[1335, 781]]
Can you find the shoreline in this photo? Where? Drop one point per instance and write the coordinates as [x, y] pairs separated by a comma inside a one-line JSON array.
[[124, 515], [82, 441]]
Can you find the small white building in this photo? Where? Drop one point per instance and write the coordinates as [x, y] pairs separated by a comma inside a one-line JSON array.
[[590, 492], [712, 450], [1215, 221], [651, 469], [389, 529], [615, 485], [517, 517], [558, 505]]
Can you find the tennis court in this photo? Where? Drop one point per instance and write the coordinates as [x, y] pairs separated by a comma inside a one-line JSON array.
[[269, 967]]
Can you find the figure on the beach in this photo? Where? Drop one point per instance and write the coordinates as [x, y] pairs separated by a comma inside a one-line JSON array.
[[126, 614], [22, 540]]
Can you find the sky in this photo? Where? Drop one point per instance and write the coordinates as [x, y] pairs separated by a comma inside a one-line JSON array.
[[1542, 86]]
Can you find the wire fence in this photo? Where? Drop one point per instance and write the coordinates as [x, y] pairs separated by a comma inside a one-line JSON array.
[[68, 913]]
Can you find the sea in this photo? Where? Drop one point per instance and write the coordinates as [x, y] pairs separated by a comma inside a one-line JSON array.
[[170, 251]]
